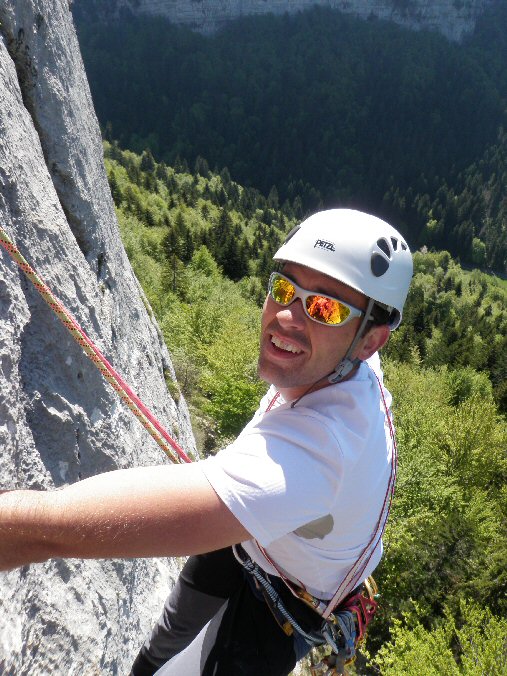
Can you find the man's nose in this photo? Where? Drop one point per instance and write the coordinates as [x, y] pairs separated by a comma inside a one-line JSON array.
[[292, 315]]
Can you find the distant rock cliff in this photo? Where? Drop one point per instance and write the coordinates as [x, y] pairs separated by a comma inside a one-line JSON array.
[[59, 421], [453, 18]]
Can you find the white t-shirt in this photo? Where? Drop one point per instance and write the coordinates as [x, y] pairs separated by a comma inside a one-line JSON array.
[[309, 482]]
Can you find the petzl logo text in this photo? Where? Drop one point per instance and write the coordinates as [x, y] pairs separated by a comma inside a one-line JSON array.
[[322, 244]]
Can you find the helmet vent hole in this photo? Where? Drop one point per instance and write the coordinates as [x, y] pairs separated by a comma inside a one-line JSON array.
[[383, 244], [379, 265], [395, 243], [404, 246]]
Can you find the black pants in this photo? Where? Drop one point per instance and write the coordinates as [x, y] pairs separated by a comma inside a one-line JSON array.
[[243, 639]]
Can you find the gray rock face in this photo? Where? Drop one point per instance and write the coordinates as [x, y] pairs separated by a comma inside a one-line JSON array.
[[59, 420], [453, 18]]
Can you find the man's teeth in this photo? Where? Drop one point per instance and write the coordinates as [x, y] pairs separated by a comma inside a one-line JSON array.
[[284, 346]]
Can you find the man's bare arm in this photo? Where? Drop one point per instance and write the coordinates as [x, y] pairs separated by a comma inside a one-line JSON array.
[[142, 512]]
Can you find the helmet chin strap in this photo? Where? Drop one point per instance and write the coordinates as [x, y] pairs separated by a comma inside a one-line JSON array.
[[345, 367], [347, 364]]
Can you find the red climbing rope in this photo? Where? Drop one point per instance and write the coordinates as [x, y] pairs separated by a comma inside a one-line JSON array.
[[145, 417]]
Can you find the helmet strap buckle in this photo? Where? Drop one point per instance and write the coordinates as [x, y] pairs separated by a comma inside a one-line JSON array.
[[343, 369], [347, 364]]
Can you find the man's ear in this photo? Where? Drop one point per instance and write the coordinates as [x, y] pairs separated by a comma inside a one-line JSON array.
[[376, 338]]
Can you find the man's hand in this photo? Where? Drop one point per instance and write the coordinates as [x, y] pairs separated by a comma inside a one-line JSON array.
[[141, 512]]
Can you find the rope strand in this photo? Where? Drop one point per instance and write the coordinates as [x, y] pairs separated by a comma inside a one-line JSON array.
[[173, 451]]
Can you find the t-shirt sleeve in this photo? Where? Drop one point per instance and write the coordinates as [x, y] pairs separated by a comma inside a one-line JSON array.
[[278, 475]]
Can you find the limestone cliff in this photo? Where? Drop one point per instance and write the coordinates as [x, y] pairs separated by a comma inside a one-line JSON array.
[[453, 18], [59, 421]]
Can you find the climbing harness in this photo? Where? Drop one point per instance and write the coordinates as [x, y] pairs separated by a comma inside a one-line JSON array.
[[355, 612], [174, 452], [342, 630]]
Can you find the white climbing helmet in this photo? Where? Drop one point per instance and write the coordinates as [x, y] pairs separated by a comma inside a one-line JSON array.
[[357, 249]]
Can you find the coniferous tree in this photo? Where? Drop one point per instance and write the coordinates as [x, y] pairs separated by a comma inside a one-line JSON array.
[[171, 244], [201, 167], [147, 161], [187, 246]]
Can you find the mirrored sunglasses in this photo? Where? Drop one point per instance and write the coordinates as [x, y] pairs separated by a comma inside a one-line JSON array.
[[322, 309]]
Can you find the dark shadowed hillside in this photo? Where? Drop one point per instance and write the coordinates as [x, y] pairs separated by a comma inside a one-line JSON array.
[[327, 108]]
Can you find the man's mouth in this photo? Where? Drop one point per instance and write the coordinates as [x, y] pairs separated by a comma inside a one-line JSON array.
[[283, 345]]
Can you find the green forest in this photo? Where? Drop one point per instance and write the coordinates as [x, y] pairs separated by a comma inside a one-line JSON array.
[[322, 109], [443, 579]]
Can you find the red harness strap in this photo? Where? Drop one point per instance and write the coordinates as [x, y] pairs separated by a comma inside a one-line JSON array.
[[356, 572], [366, 608]]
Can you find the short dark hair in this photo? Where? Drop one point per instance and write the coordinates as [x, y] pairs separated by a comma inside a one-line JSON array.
[[380, 315]]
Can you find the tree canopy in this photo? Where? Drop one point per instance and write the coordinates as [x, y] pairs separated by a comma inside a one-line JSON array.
[[324, 109]]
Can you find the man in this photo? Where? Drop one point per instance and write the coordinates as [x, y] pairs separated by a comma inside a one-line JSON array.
[[304, 488]]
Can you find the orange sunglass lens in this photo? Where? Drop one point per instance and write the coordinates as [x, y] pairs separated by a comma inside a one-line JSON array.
[[326, 310]]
